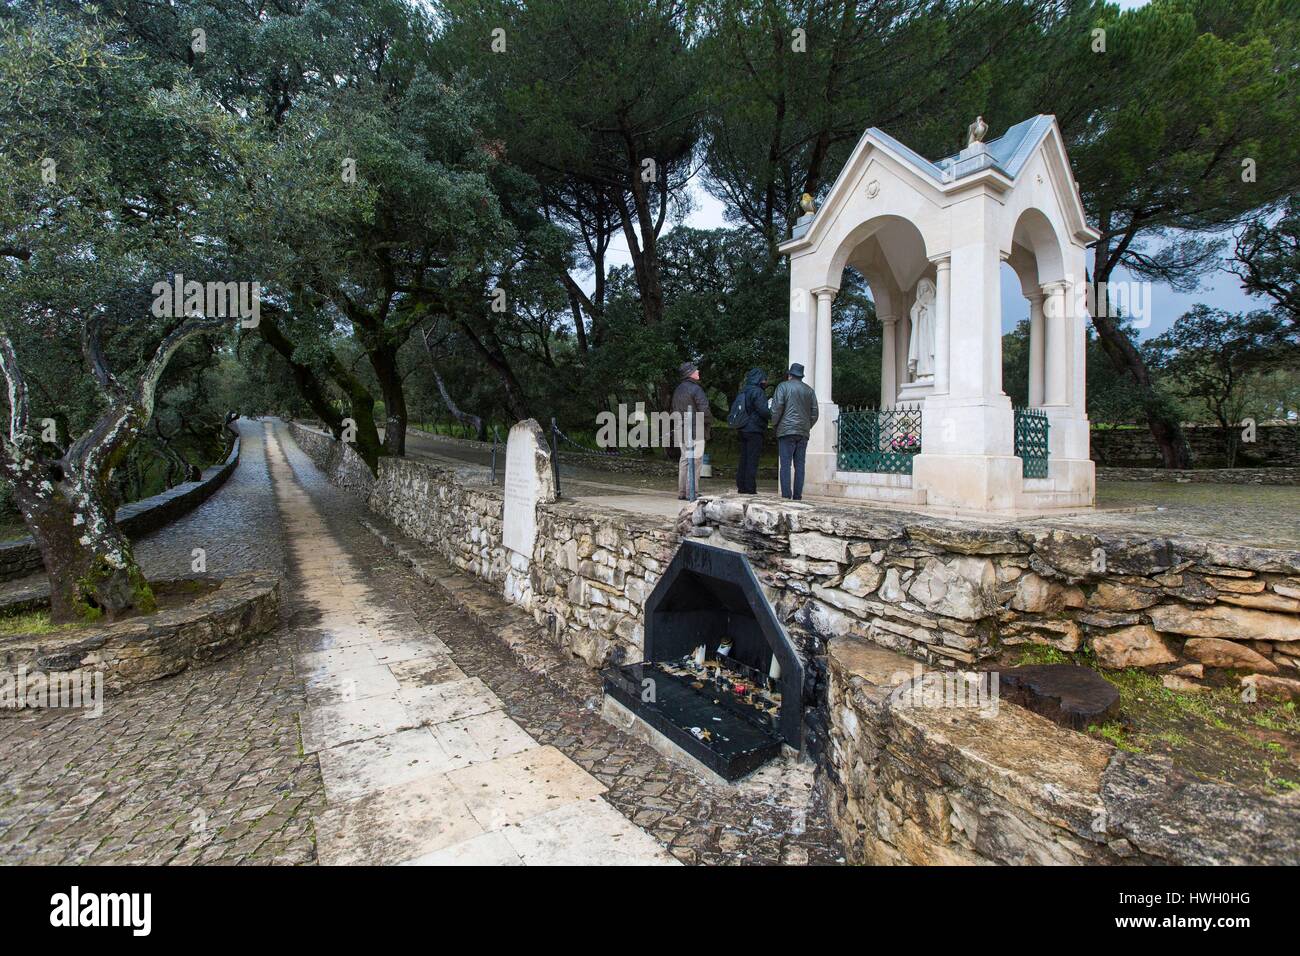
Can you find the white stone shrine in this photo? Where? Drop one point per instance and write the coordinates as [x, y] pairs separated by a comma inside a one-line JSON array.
[[929, 238]]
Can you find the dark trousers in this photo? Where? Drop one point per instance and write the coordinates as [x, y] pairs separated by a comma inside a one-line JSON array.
[[793, 448], [751, 446]]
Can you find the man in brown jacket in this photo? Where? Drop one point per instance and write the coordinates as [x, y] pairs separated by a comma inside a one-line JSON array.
[[689, 398]]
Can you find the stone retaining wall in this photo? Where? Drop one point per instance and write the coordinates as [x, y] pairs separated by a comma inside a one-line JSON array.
[[1223, 476], [928, 785], [21, 557], [147, 648], [953, 593], [337, 459], [590, 573], [1274, 445]]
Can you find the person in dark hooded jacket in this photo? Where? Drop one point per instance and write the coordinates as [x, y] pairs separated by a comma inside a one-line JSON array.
[[757, 414]]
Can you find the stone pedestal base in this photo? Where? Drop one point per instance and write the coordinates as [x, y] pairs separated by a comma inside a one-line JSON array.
[[975, 482], [1070, 483], [913, 393], [870, 486], [968, 463]]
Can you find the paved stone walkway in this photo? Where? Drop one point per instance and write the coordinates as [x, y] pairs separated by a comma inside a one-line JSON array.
[[421, 764], [779, 819], [436, 745]]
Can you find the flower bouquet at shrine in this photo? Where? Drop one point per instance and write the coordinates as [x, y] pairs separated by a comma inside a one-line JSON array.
[[906, 443]]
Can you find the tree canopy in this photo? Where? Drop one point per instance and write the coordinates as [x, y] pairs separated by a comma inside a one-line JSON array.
[[436, 200]]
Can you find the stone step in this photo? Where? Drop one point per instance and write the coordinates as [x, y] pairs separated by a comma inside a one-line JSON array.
[[875, 487]]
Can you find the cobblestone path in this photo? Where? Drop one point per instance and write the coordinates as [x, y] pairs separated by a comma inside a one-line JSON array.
[[436, 744], [203, 767]]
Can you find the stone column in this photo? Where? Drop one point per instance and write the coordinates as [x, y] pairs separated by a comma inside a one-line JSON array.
[[975, 309], [803, 328], [902, 339], [1056, 348], [967, 435], [943, 313], [821, 441], [1036, 348], [888, 375], [1076, 323], [821, 382]]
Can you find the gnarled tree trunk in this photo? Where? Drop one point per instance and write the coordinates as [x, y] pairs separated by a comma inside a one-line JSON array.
[[384, 362], [64, 497]]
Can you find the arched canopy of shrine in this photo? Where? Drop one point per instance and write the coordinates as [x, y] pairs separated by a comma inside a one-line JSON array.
[[931, 239], [901, 220]]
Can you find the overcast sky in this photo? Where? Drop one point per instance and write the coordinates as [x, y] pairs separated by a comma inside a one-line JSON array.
[[1219, 289]]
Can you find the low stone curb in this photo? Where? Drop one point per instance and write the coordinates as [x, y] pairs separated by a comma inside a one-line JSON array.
[[1221, 476], [143, 649]]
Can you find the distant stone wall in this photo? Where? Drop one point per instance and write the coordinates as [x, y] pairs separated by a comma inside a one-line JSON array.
[[590, 573], [21, 557], [1224, 476], [337, 459], [1275, 446]]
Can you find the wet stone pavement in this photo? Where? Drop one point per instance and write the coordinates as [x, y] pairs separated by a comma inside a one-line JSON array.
[[202, 767], [208, 766]]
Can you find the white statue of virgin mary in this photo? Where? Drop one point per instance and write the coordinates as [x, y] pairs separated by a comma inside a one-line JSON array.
[[920, 347]]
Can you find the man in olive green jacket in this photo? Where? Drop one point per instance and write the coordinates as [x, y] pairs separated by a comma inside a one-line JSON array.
[[794, 412]]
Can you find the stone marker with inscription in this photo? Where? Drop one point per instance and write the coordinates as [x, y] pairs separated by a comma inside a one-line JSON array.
[[528, 481]]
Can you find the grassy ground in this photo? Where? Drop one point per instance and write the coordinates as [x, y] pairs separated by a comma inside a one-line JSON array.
[[1211, 733], [31, 622], [169, 594]]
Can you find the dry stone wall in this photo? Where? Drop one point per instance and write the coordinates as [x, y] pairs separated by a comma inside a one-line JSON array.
[[1274, 445], [952, 594], [1217, 476], [925, 785], [339, 460]]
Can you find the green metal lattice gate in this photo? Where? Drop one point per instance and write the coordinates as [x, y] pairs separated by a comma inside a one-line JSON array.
[[1031, 441], [878, 439]]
